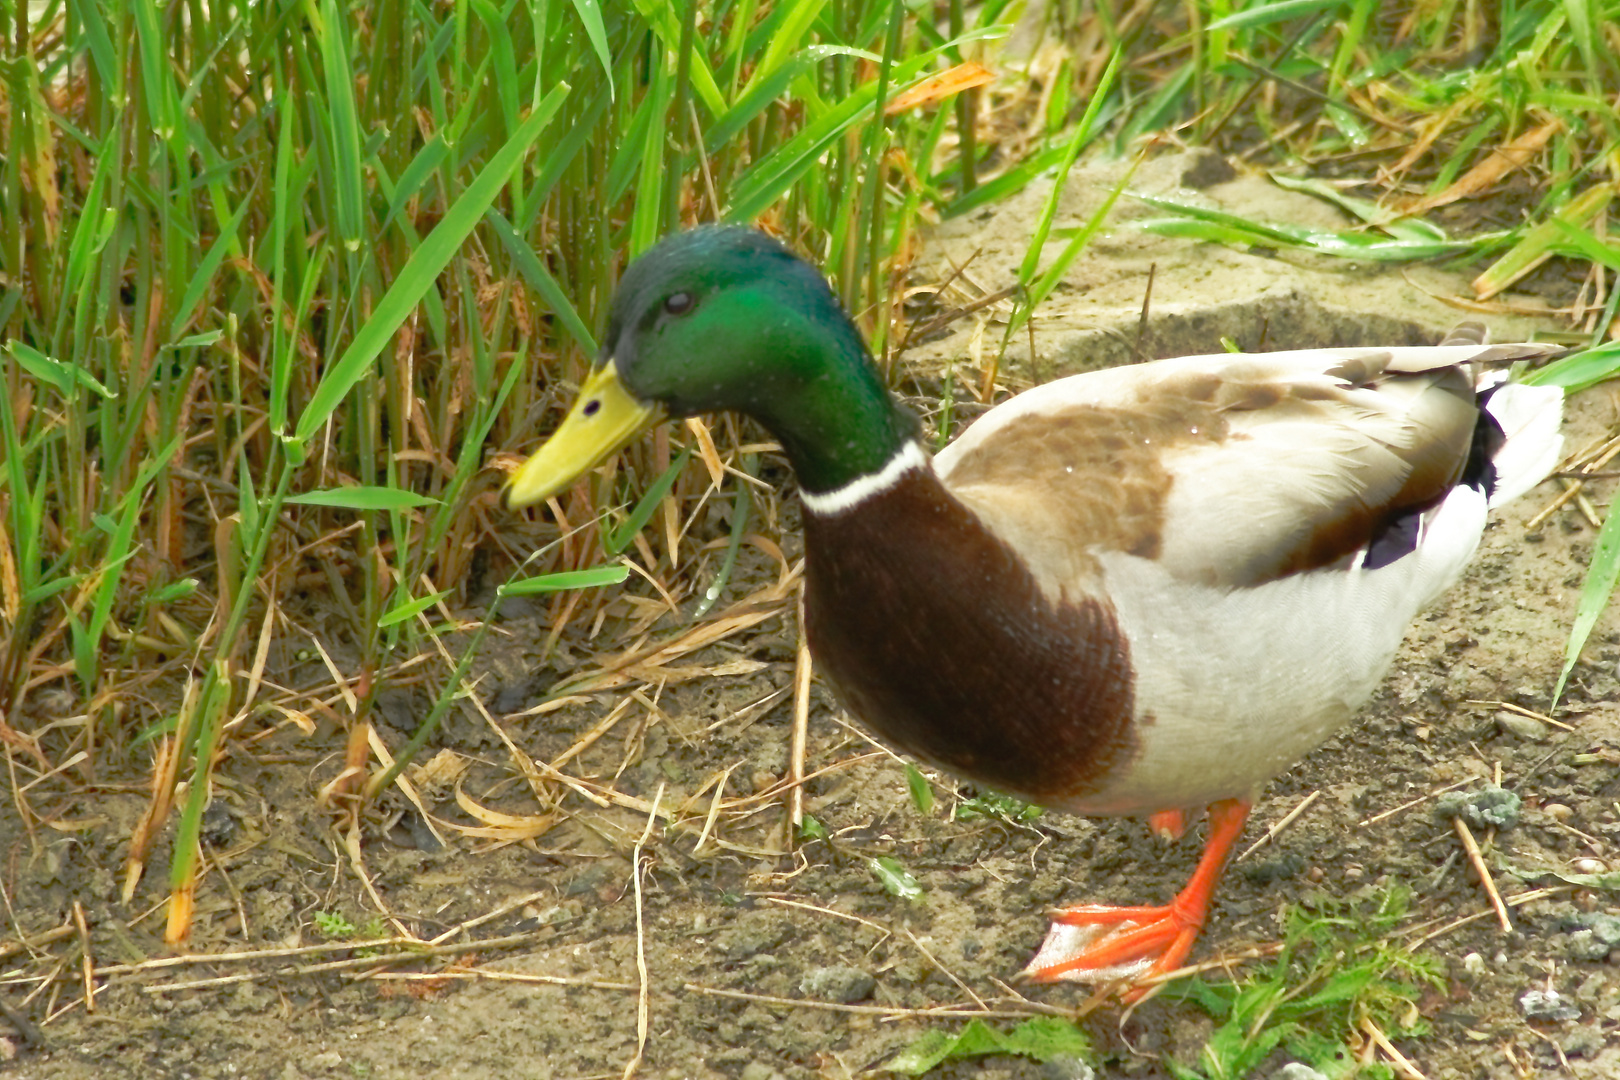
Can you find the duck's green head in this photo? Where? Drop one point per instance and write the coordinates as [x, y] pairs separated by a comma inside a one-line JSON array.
[[725, 318]]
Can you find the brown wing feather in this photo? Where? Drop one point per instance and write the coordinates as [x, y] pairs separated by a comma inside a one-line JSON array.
[[1229, 472]]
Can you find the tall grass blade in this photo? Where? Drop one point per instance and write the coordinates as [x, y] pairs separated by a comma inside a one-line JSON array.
[[615, 541], [590, 16], [1601, 576], [363, 498], [422, 270], [345, 120], [1027, 270]]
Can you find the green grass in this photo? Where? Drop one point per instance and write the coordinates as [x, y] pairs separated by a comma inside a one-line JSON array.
[[1337, 975], [1041, 1039], [286, 289]]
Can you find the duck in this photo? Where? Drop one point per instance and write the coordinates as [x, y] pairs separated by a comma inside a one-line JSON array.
[[1137, 591]]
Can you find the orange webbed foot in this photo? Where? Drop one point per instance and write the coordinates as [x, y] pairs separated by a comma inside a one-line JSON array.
[[1168, 824], [1097, 943]]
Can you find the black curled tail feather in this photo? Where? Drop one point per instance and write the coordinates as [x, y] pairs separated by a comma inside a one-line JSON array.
[[1479, 471], [1515, 445]]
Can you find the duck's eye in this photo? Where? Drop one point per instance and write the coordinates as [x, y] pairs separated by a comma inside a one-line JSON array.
[[678, 303]]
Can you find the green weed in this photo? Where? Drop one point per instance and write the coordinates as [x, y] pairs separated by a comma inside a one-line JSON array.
[[993, 804], [921, 791], [334, 924], [1338, 970], [1042, 1039], [895, 878]]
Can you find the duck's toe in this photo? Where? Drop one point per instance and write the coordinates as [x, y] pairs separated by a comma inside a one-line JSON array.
[[1093, 944]]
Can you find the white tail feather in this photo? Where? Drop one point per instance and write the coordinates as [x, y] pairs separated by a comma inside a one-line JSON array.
[[1530, 417]]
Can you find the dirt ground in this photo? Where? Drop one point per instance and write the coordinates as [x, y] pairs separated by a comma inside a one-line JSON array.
[[739, 958]]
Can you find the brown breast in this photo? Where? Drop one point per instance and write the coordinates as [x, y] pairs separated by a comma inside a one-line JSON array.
[[940, 640]]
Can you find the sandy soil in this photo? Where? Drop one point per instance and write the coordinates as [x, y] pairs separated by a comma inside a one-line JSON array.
[[762, 962]]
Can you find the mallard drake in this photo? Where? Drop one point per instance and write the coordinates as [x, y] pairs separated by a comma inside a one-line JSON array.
[[1139, 591]]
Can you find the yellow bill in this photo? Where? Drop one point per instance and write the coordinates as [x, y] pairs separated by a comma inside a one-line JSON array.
[[603, 419]]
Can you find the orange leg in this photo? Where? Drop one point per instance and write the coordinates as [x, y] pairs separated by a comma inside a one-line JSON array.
[[1094, 942]]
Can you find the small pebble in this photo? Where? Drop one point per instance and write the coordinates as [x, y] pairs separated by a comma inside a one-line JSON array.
[[1295, 1070], [837, 983], [1588, 866], [52, 702], [1558, 811], [1286, 865], [1583, 1042], [1592, 935], [1593, 990], [1066, 1067], [1487, 807], [1546, 1005], [1521, 726], [218, 825], [1474, 964]]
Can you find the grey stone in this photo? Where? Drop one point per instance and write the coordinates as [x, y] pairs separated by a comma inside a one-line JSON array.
[[1486, 808], [1295, 1070], [837, 983], [1546, 1005], [1593, 989], [1520, 726], [1592, 935], [1606, 928], [746, 939], [1066, 1067], [1584, 945], [1584, 1042]]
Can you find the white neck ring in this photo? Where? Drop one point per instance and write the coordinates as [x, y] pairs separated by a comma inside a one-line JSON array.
[[840, 500]]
